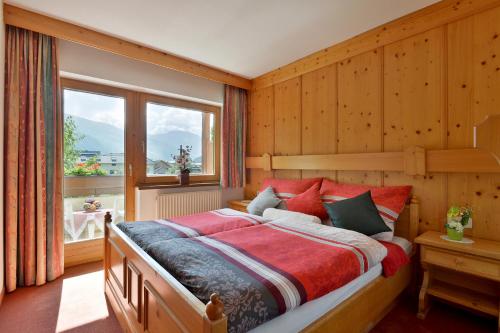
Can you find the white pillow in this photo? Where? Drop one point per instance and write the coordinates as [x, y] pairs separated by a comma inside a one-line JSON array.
[[263, 200], [274, 214]]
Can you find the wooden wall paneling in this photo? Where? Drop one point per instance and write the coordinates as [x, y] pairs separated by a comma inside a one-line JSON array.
[[473, 46], [415, 114], [260, 135], [319, 116], [287, 123], [460, 83], [360, 112], [439, 75], [460, 99], [486, 65], [482, 192]]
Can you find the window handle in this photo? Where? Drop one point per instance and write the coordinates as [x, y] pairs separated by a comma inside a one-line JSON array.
[[143, 148], [130, 169]]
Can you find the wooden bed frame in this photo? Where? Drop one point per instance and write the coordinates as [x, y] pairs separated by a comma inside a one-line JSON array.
[[146, 298]]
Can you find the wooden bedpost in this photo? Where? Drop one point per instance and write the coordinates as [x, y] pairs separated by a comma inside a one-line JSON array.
[[214, 311], [108, 218], [414, 218], [214, 308]]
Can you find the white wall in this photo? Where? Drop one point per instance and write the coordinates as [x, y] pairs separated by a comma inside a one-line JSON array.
[[86, 61], [2, 84], [82, 62]]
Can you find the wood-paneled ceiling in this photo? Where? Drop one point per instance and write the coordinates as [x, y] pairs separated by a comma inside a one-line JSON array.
[[248, 38]]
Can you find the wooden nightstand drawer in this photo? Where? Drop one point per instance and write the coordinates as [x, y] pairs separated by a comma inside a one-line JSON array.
[[461, 262]]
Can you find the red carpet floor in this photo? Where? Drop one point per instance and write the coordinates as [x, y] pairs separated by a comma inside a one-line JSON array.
[[442, 318], [76, 304]]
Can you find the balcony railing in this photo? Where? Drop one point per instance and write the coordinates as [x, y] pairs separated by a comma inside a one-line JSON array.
[[92, 185]]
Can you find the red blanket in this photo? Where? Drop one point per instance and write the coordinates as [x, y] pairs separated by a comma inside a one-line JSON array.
[[395, 259], [265, 270], [208, 223], [313, 262]]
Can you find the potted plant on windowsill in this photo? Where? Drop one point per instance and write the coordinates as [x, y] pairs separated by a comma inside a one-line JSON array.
[[182, 162], [457, 219]]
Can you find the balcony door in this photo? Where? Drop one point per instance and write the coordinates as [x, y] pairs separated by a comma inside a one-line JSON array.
[[94, 166]]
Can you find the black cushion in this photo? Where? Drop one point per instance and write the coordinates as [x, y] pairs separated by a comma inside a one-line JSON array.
[[358, 214]]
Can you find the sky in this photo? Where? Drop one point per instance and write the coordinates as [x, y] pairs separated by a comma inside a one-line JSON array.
[[162, 119], [110, 110], [104, 109]]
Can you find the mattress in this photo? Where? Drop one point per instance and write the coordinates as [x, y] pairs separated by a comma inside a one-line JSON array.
[[306, 314]]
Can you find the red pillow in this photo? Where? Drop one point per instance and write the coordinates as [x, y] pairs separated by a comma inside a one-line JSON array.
[[308, 202], [390, 200], [288, 188]]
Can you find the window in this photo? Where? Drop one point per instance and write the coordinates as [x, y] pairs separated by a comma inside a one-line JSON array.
[[172, 123], [93, 128], [121, 139]]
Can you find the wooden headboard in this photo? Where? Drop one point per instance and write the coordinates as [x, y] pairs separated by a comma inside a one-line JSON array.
[[413, 161]]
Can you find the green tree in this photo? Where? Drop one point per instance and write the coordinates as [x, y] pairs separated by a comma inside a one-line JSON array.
[[71, 138]]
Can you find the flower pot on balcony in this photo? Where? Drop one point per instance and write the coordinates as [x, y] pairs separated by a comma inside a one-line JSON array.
[[184, 178]]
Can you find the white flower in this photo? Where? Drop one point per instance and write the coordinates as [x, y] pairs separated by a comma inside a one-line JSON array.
[[456, 225]]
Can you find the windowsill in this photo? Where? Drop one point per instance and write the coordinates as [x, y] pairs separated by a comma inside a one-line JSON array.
[[71, 243], [152, 186]]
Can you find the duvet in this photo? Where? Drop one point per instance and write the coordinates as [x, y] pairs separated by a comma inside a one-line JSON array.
[[144, 233], [265, 270]]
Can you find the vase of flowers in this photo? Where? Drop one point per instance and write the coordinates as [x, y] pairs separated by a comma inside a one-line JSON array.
[[182, 163], [91, 205], [457, 219]]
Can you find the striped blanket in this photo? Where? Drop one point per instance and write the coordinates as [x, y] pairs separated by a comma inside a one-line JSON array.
[[265, 270], [146, 232]]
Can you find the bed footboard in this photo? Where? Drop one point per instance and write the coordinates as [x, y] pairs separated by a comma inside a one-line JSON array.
[[146, 298]]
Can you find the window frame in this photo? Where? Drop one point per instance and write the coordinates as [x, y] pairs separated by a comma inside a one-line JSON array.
[[146, 98], [129, 98]]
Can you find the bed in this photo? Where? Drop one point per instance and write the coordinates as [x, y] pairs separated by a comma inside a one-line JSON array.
[[147, 298]]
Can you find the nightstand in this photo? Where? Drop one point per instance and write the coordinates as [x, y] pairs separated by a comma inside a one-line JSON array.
[[464, 274], [240, 205]]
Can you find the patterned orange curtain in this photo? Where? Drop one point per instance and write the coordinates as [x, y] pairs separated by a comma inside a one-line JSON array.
[[33, 160], [234, 120]]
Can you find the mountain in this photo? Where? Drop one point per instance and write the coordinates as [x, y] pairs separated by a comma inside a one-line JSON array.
[[99, 136], [163, 146], [110, 139]]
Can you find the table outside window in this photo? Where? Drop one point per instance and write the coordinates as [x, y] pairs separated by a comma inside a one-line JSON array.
[[82, 220]]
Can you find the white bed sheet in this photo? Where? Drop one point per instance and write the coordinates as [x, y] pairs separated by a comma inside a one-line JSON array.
[[304, 315], [404, 243]]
